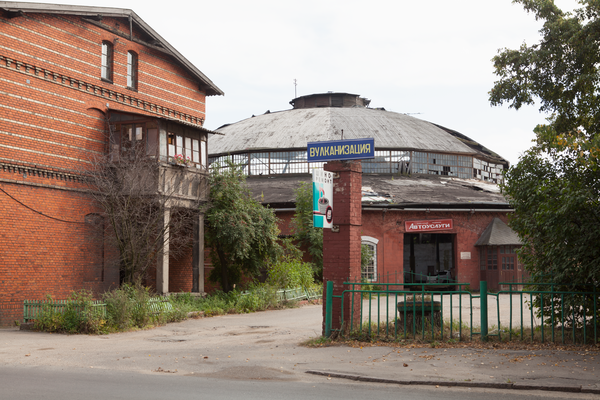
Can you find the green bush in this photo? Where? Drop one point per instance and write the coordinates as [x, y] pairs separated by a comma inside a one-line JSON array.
[[290, 273], [119, 308], [129, 307], [49, 319], [259, 297], [80, 315]]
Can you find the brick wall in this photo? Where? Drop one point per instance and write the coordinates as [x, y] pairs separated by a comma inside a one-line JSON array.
[[52, 122], [47, 247], [180, 272], [341, 248], [389, 228]]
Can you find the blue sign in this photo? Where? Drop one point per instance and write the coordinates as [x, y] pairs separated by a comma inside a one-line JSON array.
[[349, 149]]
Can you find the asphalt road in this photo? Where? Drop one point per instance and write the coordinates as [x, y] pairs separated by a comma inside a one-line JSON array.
[[260, 355], [20, 383]]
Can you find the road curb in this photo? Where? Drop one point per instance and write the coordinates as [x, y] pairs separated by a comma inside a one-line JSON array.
[[488, 385]]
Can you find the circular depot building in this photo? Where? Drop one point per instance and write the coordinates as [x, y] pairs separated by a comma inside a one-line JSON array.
[[422, 174]]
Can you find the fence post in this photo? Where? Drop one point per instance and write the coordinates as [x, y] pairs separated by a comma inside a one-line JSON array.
[[328, 306], [483, 309]]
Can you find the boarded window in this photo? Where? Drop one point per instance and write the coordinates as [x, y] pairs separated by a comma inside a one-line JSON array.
[[93, 268]]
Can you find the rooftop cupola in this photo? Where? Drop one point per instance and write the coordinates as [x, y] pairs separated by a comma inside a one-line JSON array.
[[330, 99]]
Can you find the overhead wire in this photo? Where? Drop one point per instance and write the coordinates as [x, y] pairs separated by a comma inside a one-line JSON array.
[[39, 212]]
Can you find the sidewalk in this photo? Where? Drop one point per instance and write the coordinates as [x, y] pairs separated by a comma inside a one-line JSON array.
[[265, 345]]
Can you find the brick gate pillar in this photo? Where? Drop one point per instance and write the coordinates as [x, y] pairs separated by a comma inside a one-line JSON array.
[[341, 245]]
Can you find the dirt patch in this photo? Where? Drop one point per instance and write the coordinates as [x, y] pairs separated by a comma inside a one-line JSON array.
[[249, 373]]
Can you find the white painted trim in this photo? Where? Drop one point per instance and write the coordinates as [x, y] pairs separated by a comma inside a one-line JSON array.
[[369, 239]]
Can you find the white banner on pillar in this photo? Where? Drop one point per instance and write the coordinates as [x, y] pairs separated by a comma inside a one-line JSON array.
[[322, 198]]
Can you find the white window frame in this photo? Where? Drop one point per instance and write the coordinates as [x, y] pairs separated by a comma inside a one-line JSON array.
[[192, 149], [132, 70], [372, 243], [106, 63]]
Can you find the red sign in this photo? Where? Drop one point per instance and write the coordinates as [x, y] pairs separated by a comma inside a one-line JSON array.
[[426, 226]]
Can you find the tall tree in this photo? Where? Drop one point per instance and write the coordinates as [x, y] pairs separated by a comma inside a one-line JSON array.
[[305, 233], [241, 233], [555, 187]]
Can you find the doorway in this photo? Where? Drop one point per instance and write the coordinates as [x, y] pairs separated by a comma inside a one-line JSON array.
[[429, 257]]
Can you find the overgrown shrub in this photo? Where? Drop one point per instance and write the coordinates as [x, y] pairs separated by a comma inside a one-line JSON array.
[[119, 308], [128, 307], [290, 273], [260, 297], [49, 319], [79, 315]]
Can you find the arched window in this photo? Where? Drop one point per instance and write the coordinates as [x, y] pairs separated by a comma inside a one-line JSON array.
[[132, 70], [369, 272], [106, 67]]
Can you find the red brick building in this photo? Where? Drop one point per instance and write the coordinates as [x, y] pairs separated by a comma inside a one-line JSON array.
[[69, 75], [431, 206]]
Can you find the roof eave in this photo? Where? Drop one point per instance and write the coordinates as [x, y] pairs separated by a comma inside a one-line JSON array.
[[91, 11]]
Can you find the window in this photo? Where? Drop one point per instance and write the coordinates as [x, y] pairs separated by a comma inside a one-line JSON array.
[[132, 70], [125, 136], [508, 263], [492, 258], [106, 68], [192, 150], [134, 134], [488, 257], [369, 272]]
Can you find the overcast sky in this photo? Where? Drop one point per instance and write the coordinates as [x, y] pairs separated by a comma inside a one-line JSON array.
[[427, 58]]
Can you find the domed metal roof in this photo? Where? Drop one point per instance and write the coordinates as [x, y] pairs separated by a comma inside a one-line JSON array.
[[293, 129]]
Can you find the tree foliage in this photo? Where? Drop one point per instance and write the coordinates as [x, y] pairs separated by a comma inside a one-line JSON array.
[[305, 233], [241, 233], [555, 187], [557, 216]]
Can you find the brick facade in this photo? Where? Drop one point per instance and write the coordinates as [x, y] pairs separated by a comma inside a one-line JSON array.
[[341, 246], [53, 112], [389, 228]]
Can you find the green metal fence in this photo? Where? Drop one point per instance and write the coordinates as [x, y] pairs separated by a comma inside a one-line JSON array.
[[560, 313], [295, 294], [431, 311], [33, 308]]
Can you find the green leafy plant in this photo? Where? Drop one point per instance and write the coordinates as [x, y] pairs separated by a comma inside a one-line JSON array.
[[240, 232], [309, 237], [290, 273], [49, 319], [78, 315]]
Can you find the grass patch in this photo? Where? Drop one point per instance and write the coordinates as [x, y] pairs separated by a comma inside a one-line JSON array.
[[320, 341]]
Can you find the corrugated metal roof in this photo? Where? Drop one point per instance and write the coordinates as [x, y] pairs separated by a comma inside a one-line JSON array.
[[294, 128], [402, 190], [498, 234], [89, 11]]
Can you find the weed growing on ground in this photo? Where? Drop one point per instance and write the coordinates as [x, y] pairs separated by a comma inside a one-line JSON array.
[[320, 341], [258, 297], [78, 315], [133, 307]]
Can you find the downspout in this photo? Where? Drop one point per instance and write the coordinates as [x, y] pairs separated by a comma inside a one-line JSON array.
[[130, 28]]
